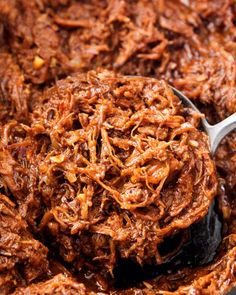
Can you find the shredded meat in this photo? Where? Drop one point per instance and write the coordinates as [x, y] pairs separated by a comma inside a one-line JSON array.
[[204, 280], [96, 194], [117, 166], [23, 259], [60, 284], [14, 93]]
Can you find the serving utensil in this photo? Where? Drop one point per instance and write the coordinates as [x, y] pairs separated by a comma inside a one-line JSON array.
[[215, 132]]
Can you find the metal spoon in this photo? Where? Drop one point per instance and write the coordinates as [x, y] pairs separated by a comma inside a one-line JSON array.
[[215, 132]]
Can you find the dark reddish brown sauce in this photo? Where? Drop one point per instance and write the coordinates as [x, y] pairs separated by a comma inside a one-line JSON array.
[[106, 181]]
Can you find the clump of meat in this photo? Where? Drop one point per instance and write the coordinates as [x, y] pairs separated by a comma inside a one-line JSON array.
[[191, 44], [14, 93], [22, 258], [60, 284], [117, 164]]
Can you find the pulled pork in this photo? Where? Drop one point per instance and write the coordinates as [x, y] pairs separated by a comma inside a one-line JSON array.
[[60, 284], [188, 43], [116, 164], [23, 259]]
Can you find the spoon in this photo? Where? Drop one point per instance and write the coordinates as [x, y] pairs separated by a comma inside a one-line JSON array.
[[215, 132]]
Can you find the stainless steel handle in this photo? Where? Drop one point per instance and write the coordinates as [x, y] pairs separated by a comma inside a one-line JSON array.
[[219, 131], [215, 132]]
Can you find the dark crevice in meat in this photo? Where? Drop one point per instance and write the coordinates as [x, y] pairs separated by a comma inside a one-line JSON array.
[[200, 248]]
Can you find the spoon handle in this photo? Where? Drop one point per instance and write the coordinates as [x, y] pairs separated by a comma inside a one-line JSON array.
[[218, 131]]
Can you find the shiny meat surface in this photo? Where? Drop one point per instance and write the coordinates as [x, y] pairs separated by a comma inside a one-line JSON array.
[[60, 284], [117, 165], [22, 258], [191, 45]]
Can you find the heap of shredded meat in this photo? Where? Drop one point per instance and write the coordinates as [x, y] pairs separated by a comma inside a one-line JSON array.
[[190, 44], [115, 163]]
